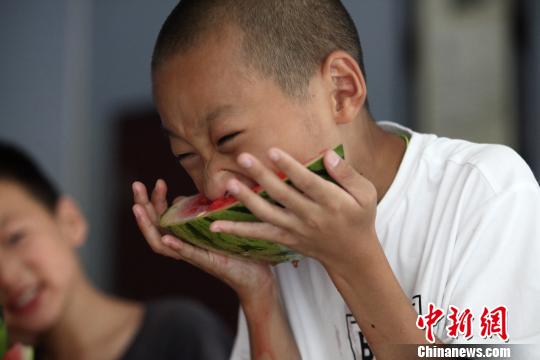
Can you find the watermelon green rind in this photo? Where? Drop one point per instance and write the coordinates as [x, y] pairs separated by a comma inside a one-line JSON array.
[[3, 334], [196, 229]]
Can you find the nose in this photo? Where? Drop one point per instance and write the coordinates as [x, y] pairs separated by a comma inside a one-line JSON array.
[[216, 180], [215, 185]]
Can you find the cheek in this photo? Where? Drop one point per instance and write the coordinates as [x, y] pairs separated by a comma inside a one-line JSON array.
[[54, 266], [197, 176], [54, 270]]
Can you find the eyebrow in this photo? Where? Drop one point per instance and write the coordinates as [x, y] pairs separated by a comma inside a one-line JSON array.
[[208, 119]]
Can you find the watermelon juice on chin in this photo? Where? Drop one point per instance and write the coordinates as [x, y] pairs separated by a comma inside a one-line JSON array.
[[191, 217]]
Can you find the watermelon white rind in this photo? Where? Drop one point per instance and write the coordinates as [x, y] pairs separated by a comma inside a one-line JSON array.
[[191, 217]]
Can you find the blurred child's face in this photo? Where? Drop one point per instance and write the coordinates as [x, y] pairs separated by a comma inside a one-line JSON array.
[[215, 108], [37, 261]]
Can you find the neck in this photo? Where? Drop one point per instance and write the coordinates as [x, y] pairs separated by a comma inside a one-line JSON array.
[[378, 156], [92, 323]]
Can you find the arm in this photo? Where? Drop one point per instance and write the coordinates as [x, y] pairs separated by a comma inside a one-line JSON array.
[[306, 223], [270, 335], [373, 294]]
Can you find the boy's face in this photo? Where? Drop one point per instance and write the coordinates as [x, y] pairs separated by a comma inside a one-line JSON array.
[[215, 108], [37, 262]]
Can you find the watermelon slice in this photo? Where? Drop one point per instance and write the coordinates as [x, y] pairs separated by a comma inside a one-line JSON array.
[[3, 335], [191, 217], [17, 352]]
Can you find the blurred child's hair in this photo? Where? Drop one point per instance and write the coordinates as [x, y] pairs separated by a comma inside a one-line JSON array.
[[286, 40], [17, 166]]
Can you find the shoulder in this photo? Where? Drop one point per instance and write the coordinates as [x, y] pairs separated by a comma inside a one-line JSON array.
[[178, 310], [499, 167], [179, 328], [186, 317]]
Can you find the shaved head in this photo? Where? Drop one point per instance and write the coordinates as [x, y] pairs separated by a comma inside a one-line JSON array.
[[286, 40]]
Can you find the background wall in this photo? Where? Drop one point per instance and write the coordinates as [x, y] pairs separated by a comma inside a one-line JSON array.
[[68, 68], [530, 83]]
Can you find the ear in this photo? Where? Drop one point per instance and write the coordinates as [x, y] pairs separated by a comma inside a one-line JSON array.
[[347, 86], [72, 222]]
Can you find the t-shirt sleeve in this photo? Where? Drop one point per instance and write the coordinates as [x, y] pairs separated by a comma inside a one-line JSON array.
[[241, 349], [496, 263]]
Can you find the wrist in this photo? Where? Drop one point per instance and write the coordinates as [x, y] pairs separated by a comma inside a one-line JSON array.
[[261, 299], [362, 257]]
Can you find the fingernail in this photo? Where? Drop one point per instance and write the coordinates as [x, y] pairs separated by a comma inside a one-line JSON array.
[[245, 161], [233, 187], [274, 155], [333, 159], [215, 228]]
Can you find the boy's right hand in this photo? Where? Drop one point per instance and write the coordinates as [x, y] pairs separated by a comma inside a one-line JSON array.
[[247, 278]]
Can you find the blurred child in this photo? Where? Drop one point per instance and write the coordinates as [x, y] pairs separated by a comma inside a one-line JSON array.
[[49, 302]]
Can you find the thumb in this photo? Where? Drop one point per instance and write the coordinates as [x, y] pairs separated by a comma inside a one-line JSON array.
[[349, 179]]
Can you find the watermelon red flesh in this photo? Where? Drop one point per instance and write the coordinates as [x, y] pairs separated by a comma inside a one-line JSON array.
[[191, 217]]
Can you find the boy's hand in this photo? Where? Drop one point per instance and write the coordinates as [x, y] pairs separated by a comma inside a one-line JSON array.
[[253, 282], [242, 275], [318, 219]]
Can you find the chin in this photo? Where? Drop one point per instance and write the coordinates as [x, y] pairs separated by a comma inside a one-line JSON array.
[[36, 317]]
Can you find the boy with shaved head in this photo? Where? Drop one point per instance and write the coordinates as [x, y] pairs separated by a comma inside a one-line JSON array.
[[247, 88]]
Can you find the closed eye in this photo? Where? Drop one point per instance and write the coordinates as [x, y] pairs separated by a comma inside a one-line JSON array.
[[226, 138], [15, 238], [181, 157]]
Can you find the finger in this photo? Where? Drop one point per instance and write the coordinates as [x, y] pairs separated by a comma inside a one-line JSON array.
[[260, 207], [275, 187], [147, 227], [140, 196], [205, 260], [159, 197], [313, 186], [360, 188], [257, 230], [152, 234]]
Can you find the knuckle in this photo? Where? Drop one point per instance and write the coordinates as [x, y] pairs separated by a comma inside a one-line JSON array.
[[257, 169], [335, 207], [308, 184], [371, 194], [347, 173], [313, 223]]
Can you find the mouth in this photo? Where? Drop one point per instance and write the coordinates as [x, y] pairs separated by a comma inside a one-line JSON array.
[[25, 301]]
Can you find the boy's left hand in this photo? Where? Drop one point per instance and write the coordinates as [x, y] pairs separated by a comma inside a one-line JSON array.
[[318, 219]]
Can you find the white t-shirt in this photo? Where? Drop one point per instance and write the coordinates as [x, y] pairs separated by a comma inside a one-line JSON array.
[[460, 225]]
